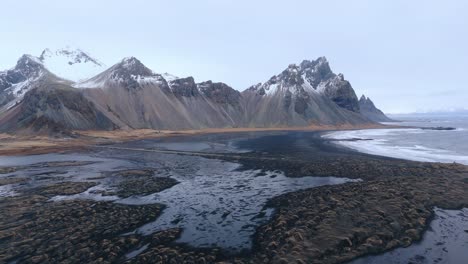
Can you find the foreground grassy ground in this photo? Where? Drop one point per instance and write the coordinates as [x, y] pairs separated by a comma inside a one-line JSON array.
[[390, 208], [26, 144]]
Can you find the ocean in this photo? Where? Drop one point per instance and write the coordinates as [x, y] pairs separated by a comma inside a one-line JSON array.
[[446, 239], [412, 142]]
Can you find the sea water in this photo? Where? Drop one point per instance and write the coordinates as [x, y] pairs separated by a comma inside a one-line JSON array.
[[413, 142]]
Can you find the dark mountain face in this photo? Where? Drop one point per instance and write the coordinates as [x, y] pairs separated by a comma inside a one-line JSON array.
[[369, 110], [14, 82], [310, 76], [130, 95], [319, 75], [54, 107], [303, 95], [5, 97], [340, 91], [317, 71], [128, 70], [130, 66], [220, 92], [185, 87], [28, 66]]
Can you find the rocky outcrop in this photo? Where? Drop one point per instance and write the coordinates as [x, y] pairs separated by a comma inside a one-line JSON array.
[[302, 95], [14, 83], [184, 87], [340, 91], [130, 95], [174, 104], [220, 92], [314, 76], [369, 110], [55, 108], [129, 73]]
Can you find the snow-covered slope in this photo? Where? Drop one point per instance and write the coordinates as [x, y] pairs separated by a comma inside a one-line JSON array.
[[305, 94], [135, 96], [71, 64], [41, 94], [129, 72], [311, 77], [62, 65], [16, 82]]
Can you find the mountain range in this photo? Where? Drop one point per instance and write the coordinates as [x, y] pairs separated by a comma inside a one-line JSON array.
[[67, 89]]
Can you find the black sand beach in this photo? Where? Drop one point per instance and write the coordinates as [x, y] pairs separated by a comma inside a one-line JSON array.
[[390, 207]]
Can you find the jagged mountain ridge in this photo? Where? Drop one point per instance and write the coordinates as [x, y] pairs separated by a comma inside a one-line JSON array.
[[369, 110], [139, 98], [54, 107], [130, 95], [304, 94], [16, 82], [312, 76], [69, 65]]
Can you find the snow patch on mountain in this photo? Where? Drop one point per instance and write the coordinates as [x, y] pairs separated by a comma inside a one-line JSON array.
[[129, 72], [308, 76], [17, 81], [169, 77], [71, 64], [19, 89], [126, 70]]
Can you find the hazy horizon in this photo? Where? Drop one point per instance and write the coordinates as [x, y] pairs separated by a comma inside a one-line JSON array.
[[405, 56]]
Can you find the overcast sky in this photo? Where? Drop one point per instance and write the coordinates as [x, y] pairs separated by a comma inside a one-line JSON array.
[[406, 55]]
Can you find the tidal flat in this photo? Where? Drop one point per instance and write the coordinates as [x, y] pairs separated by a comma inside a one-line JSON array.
[[259, 197]]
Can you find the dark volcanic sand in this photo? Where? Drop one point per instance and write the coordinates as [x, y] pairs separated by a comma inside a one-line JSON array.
[[446, 241], [328, 224]]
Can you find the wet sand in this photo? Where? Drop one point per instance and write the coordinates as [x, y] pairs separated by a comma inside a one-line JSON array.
[[390, 208], [24, 144]]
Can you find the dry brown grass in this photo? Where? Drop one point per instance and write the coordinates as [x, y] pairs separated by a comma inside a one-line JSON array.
[[24, 145], [27, 145], [148, 133]]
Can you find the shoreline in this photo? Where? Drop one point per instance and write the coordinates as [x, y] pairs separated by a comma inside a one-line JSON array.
[[322, 224], [15, 145]]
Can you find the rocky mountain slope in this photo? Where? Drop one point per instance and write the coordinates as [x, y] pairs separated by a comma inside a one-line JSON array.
[[16, 82], [129, 95], [54, 107], [369, 110], [305, 94], [71, 65], [34, 99], [135, 97]]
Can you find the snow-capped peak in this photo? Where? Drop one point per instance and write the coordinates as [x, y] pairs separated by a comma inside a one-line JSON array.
[[71, 64], [14, 83], [308, 76], [26, 59], [28, 65], [129, 62], [131, 66], [131, 73]]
